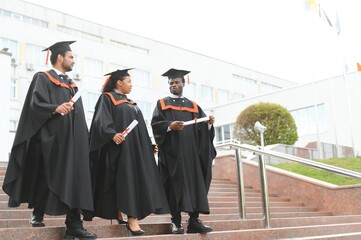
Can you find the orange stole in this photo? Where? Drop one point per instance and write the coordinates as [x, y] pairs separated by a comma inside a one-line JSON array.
[[117, 102], [187, 109]]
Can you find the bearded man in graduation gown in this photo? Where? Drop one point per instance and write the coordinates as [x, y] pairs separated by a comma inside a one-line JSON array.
[[185, 154], [49, 161]]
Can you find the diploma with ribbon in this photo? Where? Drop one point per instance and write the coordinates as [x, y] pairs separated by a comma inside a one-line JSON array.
[[196, 120], [75, 97], [130, 128]]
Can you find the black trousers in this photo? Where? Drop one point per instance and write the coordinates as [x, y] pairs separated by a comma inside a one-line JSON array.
[[73, 220], [177, 218]]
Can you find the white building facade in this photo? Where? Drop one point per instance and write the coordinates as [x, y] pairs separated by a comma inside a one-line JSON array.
[[327, 112], [27, 29]]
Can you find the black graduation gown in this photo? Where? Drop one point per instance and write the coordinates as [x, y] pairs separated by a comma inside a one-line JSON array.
[[125, 176], [185, 157], [52, 146]]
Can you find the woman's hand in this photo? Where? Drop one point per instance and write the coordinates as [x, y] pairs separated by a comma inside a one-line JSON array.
[[118, 138]]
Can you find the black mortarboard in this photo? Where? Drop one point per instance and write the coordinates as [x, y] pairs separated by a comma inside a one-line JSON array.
[[118, 74], [175, 73], [59, 47]]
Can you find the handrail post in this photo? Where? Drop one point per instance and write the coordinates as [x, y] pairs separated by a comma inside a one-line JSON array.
[[264, 186], [240, 185], [263, 174]]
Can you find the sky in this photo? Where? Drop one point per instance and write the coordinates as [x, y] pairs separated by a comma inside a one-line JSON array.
[[279, 37]]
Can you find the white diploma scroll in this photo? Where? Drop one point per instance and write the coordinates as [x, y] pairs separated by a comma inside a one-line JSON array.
[[130, 128], [76, 97], [196, 120]]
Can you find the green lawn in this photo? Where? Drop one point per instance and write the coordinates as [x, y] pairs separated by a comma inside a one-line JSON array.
[[353, 164]]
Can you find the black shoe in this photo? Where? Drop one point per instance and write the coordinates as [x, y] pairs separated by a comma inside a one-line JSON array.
[[196, 226], [177, 228], [37, 221], [121, 221], [135, 233], [79, 233]]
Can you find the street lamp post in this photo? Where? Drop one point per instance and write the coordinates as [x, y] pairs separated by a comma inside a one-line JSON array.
[[258, 126]]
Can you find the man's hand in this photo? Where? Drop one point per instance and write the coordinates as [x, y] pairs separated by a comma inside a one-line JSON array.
[[176, 125], [155, 148], [64, 108], [211, 120]]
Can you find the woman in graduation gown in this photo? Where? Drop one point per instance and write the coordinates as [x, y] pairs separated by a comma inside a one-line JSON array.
[[124, 171]]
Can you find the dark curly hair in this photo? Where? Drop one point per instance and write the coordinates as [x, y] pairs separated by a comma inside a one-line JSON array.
[[110, 84]]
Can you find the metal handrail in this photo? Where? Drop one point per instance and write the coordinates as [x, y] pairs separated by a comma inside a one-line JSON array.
[[237, 146]]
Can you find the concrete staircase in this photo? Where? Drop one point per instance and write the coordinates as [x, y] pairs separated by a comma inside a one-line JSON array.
[[290, 219]]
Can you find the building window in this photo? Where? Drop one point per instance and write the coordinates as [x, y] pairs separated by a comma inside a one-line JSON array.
[[237, 96], [114, 67], [79, 33], [224, 133], [92, 100], [267, 87], [93, 67], [34, 55], [141, 78], [247, 83], [13, 88], [23, 18], [306, 119], [5, 13], [11, 44], [129, 47], [145, 107], [244, 79], [223, 96], [190, 90], [13, 125], [207, 93]]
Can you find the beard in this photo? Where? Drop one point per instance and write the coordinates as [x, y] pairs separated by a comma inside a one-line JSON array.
[[175, 91], [67, 68]]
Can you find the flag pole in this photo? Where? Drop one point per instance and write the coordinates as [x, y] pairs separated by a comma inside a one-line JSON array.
[[345, 82]]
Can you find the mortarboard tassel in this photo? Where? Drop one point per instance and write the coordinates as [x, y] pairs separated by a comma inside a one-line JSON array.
[[358, 67], [47, 57], [188, 81], [106, 81]]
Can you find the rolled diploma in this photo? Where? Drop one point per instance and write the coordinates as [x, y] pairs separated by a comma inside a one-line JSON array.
[[76, 96], [74, 99], [196, 120], [130, 128]]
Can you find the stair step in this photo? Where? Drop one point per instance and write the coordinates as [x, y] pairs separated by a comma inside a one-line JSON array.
[[254, 204], [161, 232], [261, 234], [342, 236], [289, 220], [247, 198]]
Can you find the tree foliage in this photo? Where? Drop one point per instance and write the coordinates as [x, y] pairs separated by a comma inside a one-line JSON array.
[[281, 127]]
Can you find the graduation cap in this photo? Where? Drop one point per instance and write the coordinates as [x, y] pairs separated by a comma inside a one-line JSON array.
[[118, 74], [175, 73], [57, 48]]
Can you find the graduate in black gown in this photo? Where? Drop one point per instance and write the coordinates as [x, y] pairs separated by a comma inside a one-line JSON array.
[[125, 174], [49, 164], [185, 154]]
